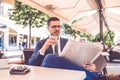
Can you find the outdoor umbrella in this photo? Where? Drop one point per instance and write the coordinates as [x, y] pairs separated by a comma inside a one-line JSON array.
[[66, 10], [91, 25], [103, 19], [69, 10]]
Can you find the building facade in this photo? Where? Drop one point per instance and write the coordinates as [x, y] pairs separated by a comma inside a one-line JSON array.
[[12, 36]]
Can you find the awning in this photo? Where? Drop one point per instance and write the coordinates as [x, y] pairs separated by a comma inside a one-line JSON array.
[[90, 24], [66, 10], [35, 32], [8, 1], [69, 10]]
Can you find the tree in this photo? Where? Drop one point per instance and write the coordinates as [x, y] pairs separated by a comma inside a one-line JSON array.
[[68, 30], [108, 37], [28, 16]]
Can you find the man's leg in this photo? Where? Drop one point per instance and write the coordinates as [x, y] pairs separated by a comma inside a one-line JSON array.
[[58, 62]]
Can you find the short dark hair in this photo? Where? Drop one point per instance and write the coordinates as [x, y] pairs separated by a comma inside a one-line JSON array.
[[52, 19]]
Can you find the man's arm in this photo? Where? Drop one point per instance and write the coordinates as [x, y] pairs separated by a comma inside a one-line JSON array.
[[36, 58], [42, 46]]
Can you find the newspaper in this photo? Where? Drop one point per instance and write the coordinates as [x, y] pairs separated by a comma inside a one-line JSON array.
[[81, 52]]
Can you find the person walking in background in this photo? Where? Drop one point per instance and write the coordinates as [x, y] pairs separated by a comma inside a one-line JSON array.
[[24, 44], [45, 54], [20, 45]]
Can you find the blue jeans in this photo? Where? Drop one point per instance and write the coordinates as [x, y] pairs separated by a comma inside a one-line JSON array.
[[54, 61]]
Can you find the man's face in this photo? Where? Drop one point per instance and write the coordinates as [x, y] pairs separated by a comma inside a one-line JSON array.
[[54, 28]]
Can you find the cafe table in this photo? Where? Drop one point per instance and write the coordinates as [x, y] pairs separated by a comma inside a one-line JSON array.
[[42, 73]]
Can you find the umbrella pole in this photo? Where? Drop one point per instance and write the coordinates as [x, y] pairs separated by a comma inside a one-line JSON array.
[[100, 7], [101, 25]]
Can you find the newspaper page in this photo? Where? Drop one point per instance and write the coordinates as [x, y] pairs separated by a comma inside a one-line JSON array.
[[81, 52]]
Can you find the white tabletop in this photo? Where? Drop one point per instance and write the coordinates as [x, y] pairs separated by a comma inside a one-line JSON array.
[[41, 73]]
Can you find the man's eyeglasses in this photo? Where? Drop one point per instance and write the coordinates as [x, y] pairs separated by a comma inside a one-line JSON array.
[[56, 26]]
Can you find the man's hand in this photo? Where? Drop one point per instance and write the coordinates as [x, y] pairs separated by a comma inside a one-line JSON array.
[[50, 41], [90, 66]]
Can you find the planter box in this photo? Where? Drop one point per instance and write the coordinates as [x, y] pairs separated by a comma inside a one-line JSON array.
[[27, 54]]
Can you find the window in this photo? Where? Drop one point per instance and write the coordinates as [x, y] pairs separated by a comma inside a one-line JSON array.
[[12, 40]]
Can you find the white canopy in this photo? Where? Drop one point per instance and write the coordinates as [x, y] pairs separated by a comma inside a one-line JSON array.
[[91, 25], [68, 10]]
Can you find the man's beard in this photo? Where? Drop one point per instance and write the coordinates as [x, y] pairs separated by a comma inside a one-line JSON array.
[[56, 33]]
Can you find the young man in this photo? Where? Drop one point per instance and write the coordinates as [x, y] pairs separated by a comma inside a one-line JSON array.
[[46, 46], [45, 55]]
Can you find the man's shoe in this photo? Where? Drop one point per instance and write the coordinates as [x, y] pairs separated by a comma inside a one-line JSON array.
[[113, 77]]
